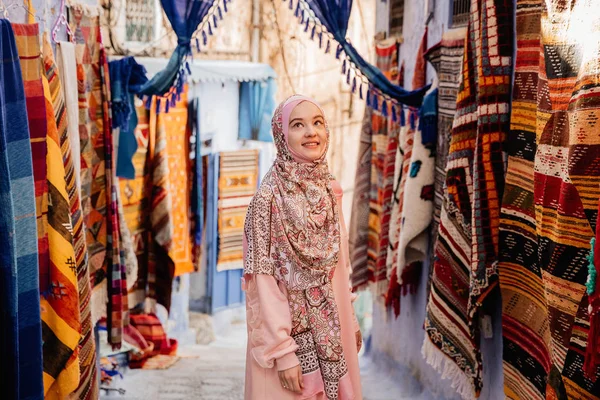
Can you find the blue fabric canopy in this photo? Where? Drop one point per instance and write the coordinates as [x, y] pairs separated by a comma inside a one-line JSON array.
[[257, 105], [185, 16], [334, 16]]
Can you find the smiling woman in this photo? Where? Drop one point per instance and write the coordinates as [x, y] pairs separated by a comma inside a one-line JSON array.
[[303, 335], [307, 134]]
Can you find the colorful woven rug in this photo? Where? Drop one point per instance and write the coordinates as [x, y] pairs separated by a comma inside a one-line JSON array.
[[116, 255], [369, 225], [418, 194], [403, 157], [359, 221], [550, 206], [160, 217], [525, 327], [58, 280], [28, 46], [413, 193], [173, 125], [160, 268], [61, 325], [384, 139], [135, 197], [467, 248], [88, 386], [417, 191], [160, 361], [21, 368], [94, 193], [446, 57], [238, 181], [592, 354]]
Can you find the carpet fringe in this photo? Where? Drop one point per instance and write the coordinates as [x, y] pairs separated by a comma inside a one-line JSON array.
[[448, 368]]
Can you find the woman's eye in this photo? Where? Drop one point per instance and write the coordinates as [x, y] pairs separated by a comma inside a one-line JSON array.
[[297, 125], [319, 123]]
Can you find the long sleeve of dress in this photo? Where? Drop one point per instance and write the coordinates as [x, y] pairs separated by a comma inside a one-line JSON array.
[[270, 323]]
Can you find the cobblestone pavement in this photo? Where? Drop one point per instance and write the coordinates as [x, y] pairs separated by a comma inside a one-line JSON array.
[[216, 372]]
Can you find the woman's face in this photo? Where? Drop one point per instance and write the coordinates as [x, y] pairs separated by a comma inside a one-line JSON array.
[[307, 135]]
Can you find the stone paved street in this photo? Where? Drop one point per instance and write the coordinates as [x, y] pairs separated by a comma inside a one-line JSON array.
[[216, 372]]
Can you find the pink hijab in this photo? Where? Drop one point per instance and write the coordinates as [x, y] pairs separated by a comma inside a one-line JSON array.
[[293, 233]]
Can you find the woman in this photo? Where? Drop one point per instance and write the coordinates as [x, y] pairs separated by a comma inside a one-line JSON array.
[[303, 338]]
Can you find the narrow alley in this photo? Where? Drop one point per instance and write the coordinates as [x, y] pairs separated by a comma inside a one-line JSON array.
[[216, 372]]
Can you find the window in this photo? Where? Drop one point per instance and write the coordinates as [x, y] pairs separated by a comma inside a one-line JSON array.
[[460, 12], [396, 17]]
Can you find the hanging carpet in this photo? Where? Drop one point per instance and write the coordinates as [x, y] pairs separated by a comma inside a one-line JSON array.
[[467, 248], [21, 371], [369, 227], [238, 181], [549, 210]]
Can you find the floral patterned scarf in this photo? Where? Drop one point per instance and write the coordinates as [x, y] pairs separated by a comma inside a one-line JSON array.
[[293, 233]]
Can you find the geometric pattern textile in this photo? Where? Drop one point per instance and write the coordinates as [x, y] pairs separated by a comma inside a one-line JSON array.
[[466, 253], [446, 57], [238, 181], [88, 386], [85, 23], [173, 126], [28, 46], [525, 329], [372, 206], [116, 255], [412, 207], [384, 144], [61, 324], [417, 202], [60, 302], [550, 207], [135, 198], [359, 222]]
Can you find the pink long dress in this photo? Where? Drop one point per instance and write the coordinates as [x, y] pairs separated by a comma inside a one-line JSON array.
[[270, 346]]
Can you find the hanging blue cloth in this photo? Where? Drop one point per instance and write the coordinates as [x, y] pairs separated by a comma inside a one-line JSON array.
[[126, 79], [334, 15], [257, 105], [428, 119], [20, 321], [184, 16], [197, 202], [127, 144], [126, 76]]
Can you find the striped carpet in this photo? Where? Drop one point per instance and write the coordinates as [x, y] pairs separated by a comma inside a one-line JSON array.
[[467, 248], [550, 206], [238, 180]]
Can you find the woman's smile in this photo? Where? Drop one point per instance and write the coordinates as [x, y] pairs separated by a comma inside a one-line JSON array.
[[307, 134]]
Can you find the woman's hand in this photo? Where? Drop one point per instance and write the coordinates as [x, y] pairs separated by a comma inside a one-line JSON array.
[[291, 379], [358, 341]]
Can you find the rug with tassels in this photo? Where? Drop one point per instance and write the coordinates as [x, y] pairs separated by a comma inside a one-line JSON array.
[[467, 247]]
